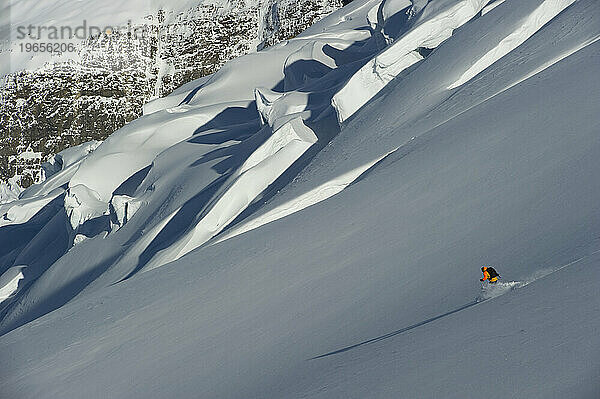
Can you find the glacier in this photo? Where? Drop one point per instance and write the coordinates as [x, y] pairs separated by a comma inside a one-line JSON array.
[[310, 220]]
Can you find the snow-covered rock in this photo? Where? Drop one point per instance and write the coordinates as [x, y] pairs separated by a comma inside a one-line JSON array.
[[10, 281], [9, 190], [126, 56], [83, 204]]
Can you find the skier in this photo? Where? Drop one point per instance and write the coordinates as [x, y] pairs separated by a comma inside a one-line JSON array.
[[490, 274]]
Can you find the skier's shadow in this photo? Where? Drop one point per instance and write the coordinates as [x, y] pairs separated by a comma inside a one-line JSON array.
[[400, 331]]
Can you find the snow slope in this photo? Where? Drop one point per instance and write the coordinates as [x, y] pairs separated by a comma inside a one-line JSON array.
[[9, 191], [304, 232]]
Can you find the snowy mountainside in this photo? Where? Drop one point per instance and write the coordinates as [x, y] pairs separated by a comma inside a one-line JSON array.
[[52, 101], [309, 221]]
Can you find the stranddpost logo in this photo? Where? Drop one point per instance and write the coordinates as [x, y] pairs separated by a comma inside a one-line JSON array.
[[60, 39], [42, 32]]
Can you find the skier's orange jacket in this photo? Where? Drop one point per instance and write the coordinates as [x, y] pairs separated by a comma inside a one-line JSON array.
[[486, 276]]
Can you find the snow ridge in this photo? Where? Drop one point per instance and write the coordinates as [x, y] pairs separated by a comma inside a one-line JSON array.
[[534, 21]]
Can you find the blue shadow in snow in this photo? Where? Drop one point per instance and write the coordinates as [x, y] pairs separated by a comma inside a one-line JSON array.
[[397, 332]]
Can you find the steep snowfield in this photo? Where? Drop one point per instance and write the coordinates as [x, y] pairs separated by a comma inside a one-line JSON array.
[[310, 221], [434, 24]]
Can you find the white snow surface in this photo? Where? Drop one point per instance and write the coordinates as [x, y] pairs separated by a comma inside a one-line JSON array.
[[535, 20], [9, 190], [434, 24], [10, 281], [310, 221]]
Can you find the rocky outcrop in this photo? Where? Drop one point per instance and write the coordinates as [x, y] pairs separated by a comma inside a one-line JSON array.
[[65, 104]]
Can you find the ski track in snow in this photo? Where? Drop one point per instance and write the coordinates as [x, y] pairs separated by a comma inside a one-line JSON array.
[[489, 292]]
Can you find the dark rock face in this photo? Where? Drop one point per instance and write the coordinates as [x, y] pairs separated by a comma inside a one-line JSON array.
[[58, 106]]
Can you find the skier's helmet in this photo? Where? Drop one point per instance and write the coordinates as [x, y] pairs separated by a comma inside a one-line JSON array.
[[483, 268]]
